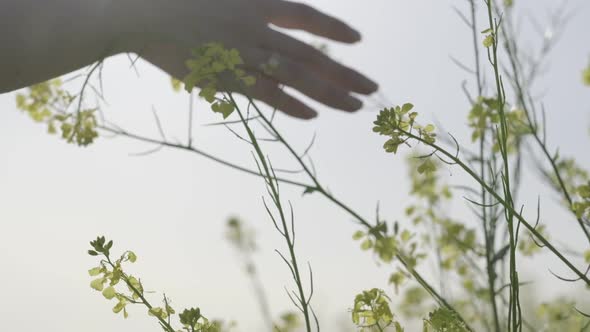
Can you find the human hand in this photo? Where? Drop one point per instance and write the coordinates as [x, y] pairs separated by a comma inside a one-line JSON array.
[[166, 31]]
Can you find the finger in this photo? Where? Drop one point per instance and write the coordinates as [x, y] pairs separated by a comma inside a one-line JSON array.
[[299, 77], [169, 57], [294, 15], [318, 62], [268, 91]]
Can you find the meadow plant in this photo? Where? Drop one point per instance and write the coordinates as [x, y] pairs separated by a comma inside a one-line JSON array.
[[478, 264]]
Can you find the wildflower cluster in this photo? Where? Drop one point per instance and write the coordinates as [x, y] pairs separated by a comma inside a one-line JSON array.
[[388, 245], [582, 207], [372, 312], [560, 315], [490, 38], [216, 69], [288, 322], [110, 274], [48, 102], [571, 173], [444, 320], [371, 309], [400, 125], [485, 116]]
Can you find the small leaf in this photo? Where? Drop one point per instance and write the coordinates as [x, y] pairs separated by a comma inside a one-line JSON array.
[[131, 256], [309, 190], [94, 271], [109, 293], [407, 107], [98, 284], [488, 41], [358, 235], [367, 244]]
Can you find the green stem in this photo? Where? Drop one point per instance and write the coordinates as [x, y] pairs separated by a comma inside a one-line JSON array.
[[140, 295], [500, 200], [319, 188], [514, 311], [512, 55], [488, 233], [276, 199]]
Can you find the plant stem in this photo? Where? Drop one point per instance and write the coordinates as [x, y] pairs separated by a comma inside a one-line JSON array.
[[319, 188], [500, 200], [271, 183], [488, 233], [514, 311], [520, 92], [145, 302]]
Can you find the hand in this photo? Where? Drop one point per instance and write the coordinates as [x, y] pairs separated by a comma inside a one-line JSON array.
[[169, 30]]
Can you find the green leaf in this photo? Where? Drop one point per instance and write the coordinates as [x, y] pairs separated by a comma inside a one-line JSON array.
[[94, 271], [586, 76], [98, 284], [249, 80], [427, 167], [367, 244], [109, 293], [131, 256], [358, 235], [407, 107], [309, 190], [488, 41], [120, 306], [225, 108]]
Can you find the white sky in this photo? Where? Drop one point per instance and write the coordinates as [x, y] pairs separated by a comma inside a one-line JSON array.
[[171, 207]]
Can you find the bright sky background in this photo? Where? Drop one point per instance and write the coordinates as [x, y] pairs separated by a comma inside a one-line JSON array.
[[171, 207]]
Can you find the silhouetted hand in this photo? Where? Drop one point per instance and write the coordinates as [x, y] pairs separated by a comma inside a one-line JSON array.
[[164, 32]]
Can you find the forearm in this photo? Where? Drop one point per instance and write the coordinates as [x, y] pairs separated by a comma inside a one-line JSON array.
[[42, 39]]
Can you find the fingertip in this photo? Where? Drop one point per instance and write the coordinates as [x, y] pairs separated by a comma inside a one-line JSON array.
[[310, 114], [353, 104], [355, 36]]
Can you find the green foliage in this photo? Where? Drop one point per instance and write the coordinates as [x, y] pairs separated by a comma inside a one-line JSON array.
[[400, 125], [586, 76], [481, 265], [528, 245], [176, 84], [485, 116], [239, 236], [444, 320], [415, 302], [582, 207], [560, 315], [489, 40], [109, 275], [216, 69], [371, 308], [192, 320], [572, 174], [387, 245], [288, 322], [48, 102]]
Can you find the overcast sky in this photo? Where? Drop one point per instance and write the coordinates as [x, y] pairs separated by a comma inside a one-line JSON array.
[[171, 207]]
